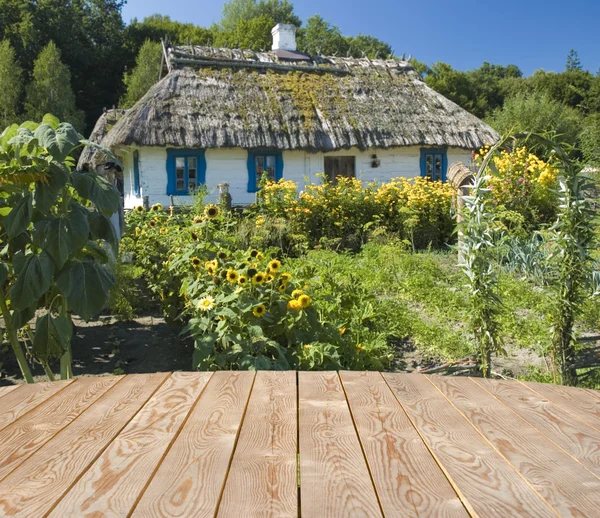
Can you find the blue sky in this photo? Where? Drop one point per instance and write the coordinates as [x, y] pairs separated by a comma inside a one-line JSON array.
[[529, 33]]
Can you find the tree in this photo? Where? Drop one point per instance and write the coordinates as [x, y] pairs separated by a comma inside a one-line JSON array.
[[10, 84], [144, 75], [365, 45], [538, 113], [157, 27], [50, 89], [570, 87], [590, 140], [238, 11], [254, 34], [573, 62], [320, 38]]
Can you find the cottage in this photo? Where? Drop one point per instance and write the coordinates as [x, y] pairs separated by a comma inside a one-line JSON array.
[[223, 115]]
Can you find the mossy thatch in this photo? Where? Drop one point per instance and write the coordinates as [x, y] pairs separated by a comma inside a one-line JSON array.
[[219, 98]]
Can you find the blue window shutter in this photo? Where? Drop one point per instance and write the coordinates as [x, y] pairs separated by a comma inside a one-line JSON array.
[[278, 166], [172, 154], [251, 173], [136, 173]]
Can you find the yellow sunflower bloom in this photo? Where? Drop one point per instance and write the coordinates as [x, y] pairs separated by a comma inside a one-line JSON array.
[[259, 311], [286, 277], [206, 304], [232, 276], [211, 211], [293, 304], [259, 278], [304, 301], [274, 265], [196, 261], [297, 293], [242, 280]]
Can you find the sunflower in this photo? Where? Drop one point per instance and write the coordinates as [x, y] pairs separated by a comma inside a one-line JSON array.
[[242, 280], [293, 304], [140, 209], [259, 257], [254, 253], [156, 207], [210, 270], [206, 304], [152, 223], [232, 276], [270, 278], [259, 311], [197, 219], [252, 272], [286, 277], [297, 293], [194, 236], [196, 261], [164, 230], [222, 255], [282, 287], [224, 274], [211, 211], [274, 265], [259, 278], [304, 301]]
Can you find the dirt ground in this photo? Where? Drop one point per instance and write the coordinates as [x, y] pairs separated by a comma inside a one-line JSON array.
[[106, 346], [147, 344]]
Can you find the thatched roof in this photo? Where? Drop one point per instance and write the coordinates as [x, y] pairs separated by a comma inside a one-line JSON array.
[[218, 98], [104, 124]]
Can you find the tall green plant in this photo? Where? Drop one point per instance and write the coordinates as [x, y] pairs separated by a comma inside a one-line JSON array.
[[55, 247], [572, 237], [476, 252]]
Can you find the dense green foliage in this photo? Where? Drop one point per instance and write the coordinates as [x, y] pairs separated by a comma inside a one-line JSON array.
[[144, 75], [10, 84]]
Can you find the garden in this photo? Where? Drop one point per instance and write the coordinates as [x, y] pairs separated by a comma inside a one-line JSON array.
[[341, 275]]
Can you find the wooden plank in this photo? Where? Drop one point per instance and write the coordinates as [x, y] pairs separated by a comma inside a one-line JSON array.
[[577, 402], [578, 439], [190, 480], [29, 433], [7, 389], [407, 479], [263, 478], [17, 403], [334, 478], [565, 484], [113, 483], [36, 485], [487, 484]]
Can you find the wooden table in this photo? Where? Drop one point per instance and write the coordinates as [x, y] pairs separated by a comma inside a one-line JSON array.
[[315, 444]]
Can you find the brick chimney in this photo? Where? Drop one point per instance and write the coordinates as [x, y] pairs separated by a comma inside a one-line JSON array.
[[284, 37]]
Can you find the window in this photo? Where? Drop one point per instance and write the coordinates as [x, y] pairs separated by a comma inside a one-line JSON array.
[[434, 164], [136, 173], [339, 166], [186, 170], [269, 162]]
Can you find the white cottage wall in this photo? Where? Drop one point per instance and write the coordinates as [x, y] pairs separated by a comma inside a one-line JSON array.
[[230, 166]]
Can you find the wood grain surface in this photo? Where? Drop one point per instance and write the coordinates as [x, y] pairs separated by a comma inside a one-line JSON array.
[[26, 435], [190, 480], [578, 439], [578, 402], [113, 483], [488, 485], [8, 389], [15, 404], [565, 484], [330, 451], [407, 479], [263, 478], [33, 488]]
